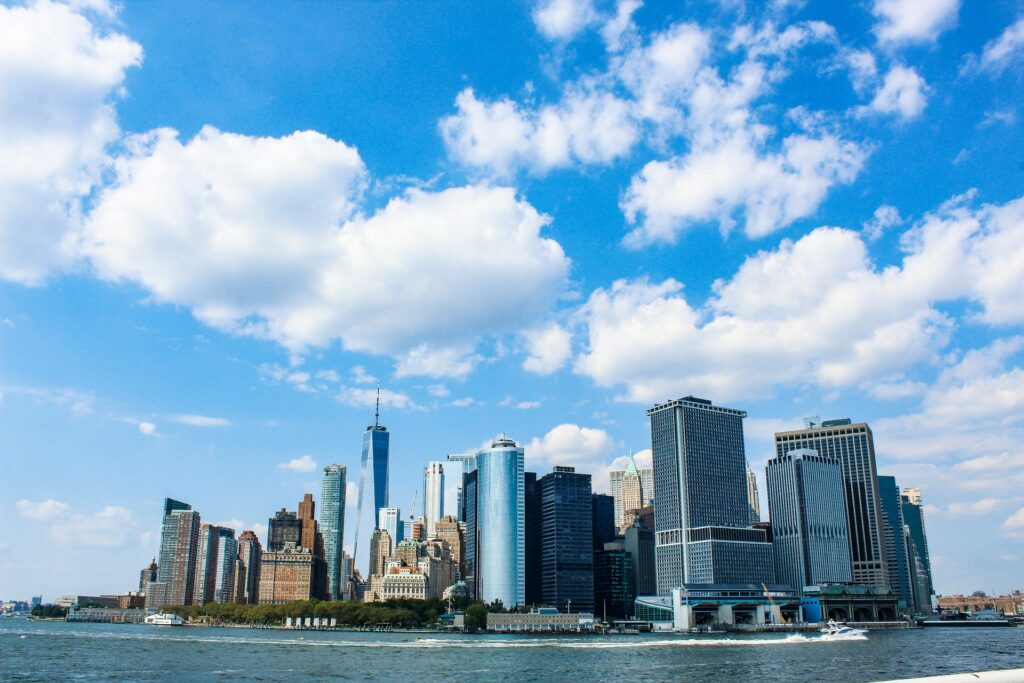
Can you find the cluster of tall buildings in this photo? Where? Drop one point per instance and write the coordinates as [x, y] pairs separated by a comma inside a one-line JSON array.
[[691, 522]]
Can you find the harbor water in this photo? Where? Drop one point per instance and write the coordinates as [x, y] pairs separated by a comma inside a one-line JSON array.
[[56, 651]]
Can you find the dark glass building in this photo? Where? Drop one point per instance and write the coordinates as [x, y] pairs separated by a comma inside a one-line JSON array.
[[284, 527], [373, 487], [895, 538], [639, 543], [614, 583], [534, 548], [603, 516], [567, 556]]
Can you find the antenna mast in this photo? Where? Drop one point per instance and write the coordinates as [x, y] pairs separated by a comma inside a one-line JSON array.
[[376, 416]]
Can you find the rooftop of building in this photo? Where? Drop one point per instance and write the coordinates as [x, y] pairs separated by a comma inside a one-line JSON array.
[[694, 402]]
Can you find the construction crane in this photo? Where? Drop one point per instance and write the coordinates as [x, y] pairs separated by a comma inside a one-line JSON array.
[[776, 611], [412, 510]]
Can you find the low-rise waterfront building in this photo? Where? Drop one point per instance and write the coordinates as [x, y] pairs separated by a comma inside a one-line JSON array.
[[545, 620]]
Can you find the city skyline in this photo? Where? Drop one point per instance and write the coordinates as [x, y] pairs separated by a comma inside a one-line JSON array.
[[513, 220]]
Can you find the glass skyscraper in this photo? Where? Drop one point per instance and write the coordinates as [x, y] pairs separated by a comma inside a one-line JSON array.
[[917, 549], [373, 488], [433, 495], [853, 446], [179, 540], [332, 527], [567, 559], [495, 507], [810, 535], [895, 537], [701, 513]]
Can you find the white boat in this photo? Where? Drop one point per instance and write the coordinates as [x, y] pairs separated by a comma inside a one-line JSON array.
[[835, 631], [162, 619]]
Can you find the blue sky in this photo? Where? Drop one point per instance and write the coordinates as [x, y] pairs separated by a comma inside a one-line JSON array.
[[219, 228]]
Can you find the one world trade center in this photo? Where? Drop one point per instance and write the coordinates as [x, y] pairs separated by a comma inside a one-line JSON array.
[[373, 489]]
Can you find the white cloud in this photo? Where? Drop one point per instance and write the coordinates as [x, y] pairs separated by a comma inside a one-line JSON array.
[[562, 19], [304, 464], [367, 398], [111, 527], [260, 529], [59, 75], [903, 93], [584, 448], [774, 190], [296, 378], [147, 428], [1000, 52], [329, 376], [44, 509], [1014, 524], [618, 28], [885, 217], [528, 405], [200, 420], [588, 126], [360, 376], [548, 348], [463, 402], [814, 311], [438, 390], [245, 232], [907, 21]]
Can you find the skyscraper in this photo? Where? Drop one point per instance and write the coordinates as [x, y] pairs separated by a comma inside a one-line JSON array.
[[615, 481], [700, 487], [148, 573], [632, 492], [810, 534], [602, 520], [853, 446], [567, 559], [917, 547], [433, 495], [390, 519], [895, 537], [179, 538], [752, 500], [373, 486], [450, 531], [495, 507], [247, 569], [639, 543], [534, 540], [332, 525], [307, 516]]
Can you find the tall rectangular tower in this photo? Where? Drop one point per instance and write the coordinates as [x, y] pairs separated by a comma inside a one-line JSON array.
[[895, 538], [179, 538], [810, 534], [373, 487], [917, 549], [332, 526], [433, 495], [701, 514], [853, 447], [567, 554]]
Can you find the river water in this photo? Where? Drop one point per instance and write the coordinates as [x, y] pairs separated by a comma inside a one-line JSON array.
[[53, 651]]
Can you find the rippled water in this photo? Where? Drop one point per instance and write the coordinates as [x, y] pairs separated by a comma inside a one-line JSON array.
[[37, 651]]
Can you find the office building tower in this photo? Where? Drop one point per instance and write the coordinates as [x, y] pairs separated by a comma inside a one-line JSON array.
[[616, 479], [148, 574], [614, 592], [179, 538], [373, 486], [495, 510], [752, 498], [307, 515], [467, 514], [332, 526], [216, 557], [853, 446], [380, 550], [602, 520], [567, 553], [347, 566], [247, 569], [534, 537], [639, 543], [895, 537], [284, 527], [700, 484], [390, 519], [416, 530], [286, 575], [632, 494], [807, 507], [449, 531], [224, 570], [458, 504], [433, 495], [917, 545]]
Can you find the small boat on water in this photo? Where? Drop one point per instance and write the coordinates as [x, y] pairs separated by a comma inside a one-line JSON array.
[[982, 618], [837, 631], [161, 619]]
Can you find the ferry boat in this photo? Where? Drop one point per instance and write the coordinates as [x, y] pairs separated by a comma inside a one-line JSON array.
[[835, 631], [982, 618], [165, 620]]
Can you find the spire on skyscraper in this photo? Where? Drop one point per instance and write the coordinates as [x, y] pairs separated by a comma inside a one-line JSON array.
[[376, 415]]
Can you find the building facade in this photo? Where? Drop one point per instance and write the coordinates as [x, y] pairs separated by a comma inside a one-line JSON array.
[[615, 482], [602, 520], [247, 569], [917, 550], [283, 528], [614, 582], [373, 487], [853, 446], [810, 534], [702, 513], [332, 525], [494, 498], [639, 543], [179, 540], [433, 495], [534, 540], [894, 534], [752, 497], [286, 575], [567, 554], [449, 531]]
